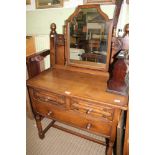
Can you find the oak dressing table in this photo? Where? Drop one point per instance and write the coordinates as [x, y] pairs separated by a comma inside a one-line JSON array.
[[74, 91]]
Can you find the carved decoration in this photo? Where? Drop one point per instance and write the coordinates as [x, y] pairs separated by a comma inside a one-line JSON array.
[[53, 28]]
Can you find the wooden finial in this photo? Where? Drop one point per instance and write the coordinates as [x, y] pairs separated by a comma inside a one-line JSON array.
[[53, 28]]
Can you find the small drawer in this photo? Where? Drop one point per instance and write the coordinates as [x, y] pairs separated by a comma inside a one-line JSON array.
[[49, 97], [93, 109]]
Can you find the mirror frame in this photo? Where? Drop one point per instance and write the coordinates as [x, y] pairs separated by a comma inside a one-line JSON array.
[[103, 67]]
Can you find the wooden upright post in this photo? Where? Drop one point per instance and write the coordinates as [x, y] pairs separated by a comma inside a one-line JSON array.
[[53, 35]]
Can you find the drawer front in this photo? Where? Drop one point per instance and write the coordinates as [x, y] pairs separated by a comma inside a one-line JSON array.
[[51, 98], [60, 114], [99, 126], [73, 118], [93, 109]]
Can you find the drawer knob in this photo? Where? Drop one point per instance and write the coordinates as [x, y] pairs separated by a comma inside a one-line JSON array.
[[49, 113], [88, 126], [88, 111], [47, 99]]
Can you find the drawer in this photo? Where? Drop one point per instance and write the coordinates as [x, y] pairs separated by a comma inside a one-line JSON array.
[[99, 126], [51, 98], [73, 118], [60, 114], [93, 109]]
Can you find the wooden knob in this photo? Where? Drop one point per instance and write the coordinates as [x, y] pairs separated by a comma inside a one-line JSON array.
[[88, 126], [88, 111], [49, 113], [47, 99], [53, 28]]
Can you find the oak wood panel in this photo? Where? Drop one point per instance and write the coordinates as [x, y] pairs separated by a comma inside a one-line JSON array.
[[60, 50], [105, 75], [79, 85]]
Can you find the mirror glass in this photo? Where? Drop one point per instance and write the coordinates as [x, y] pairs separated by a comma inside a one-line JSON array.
[[88, 37]]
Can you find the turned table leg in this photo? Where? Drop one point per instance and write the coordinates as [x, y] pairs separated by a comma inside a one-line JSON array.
[[110, 141], [39, 126], [109, 148]]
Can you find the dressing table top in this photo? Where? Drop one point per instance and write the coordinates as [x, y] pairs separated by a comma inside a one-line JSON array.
[[77, 84]]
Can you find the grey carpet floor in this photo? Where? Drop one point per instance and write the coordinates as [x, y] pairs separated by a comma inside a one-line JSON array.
[[57, 142]]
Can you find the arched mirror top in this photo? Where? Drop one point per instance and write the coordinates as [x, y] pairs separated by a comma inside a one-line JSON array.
[[88, 38], [89, 8]]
